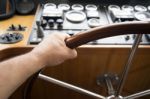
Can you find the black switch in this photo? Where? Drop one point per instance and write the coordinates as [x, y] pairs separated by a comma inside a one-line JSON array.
[[59, 23], [70, 32], [20, 28], [11, 35], [17, 36], [134, 36], [8, 38], [12, 28], [51, 22], [44, 23], [127, 37]]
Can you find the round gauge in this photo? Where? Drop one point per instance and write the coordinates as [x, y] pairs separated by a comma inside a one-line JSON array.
[[94, 22], [91, 7], [77, 7], [140, 8], [113, 7], [148, 8], [142, 16], [127, 8], [50, 6], [75, 16], [64, 7]]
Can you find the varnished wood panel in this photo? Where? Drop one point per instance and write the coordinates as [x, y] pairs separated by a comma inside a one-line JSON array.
[[90, 63]]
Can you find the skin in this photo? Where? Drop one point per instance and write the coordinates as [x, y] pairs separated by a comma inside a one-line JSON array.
[[50, 52]]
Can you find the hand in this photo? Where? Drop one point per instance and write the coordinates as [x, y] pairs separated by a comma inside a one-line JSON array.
[[53, 50]]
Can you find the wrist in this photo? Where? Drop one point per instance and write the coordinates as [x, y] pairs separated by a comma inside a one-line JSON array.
[[41, 63]]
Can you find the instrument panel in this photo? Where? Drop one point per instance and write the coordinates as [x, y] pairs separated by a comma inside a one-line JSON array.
[[75, 18]]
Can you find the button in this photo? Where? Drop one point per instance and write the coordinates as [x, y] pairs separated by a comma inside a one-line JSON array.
[[12, 28], [20, 28], [59, 23], [134, 36], [44, 23], [51, 23], [8, 38], [94, 22], [11, 35], [70, 32], [127, 37]]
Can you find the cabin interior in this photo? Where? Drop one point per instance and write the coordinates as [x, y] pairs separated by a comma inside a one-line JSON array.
[[113, 63]]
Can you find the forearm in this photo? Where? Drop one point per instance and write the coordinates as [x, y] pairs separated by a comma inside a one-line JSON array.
[[15, 71], [51, 51]]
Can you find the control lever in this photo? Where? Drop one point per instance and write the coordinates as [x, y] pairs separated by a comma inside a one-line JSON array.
[[40, 33]]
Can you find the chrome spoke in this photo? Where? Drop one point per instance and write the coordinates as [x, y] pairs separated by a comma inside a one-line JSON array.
[[128, 64], [138, 95], [69, 86]]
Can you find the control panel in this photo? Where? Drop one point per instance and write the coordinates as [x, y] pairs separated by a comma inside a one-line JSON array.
[[74, 18]]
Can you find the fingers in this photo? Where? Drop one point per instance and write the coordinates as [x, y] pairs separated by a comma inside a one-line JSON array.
[[74, 54], [54, 44], [61, 37], [71, 53]]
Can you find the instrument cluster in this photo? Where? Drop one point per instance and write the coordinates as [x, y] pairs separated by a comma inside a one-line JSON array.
[[65, 15], [128, 13], [75, 18]]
